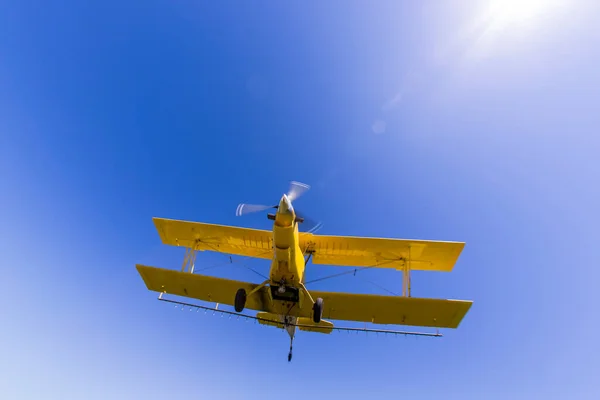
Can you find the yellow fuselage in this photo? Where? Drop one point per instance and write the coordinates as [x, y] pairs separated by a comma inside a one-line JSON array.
[[288, 259]]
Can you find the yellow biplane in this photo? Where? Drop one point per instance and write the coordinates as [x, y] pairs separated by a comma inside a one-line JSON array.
[[283, 300]]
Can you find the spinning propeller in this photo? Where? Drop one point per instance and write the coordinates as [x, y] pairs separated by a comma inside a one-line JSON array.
[[296, 190]]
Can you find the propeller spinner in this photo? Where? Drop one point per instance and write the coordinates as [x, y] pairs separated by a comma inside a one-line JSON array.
[[296, 190]]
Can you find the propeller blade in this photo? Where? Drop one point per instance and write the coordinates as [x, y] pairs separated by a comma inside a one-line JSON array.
[[315, 227], [296, 190], [309, 225], [243, 209]]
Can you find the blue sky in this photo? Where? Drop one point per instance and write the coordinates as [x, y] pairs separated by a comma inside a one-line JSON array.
[[460, 121]]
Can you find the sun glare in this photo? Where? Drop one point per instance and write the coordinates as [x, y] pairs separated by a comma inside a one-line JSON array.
[[518, 12], [509, 22]]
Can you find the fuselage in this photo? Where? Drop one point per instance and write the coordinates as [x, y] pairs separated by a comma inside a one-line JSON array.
[[288, 262], [287, 272]]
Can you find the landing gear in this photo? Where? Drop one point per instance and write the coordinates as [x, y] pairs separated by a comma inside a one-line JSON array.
[[240, 300], [317, 305], [318, 310]]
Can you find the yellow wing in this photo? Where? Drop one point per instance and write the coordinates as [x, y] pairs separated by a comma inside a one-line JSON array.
[[392, 310], [202, 287], [220, 238], [424, 255], [336, 306]]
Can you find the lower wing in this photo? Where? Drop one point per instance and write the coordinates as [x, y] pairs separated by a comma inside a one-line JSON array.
[[202, 287], [393, 310]]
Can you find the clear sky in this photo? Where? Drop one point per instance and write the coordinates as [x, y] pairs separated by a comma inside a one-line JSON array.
[[460, 121]]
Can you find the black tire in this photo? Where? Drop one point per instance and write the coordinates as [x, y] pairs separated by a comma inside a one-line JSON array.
[[318, 310], [240, 300]]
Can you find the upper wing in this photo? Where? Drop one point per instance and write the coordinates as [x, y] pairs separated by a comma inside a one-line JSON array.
[[221, 238], [392, 310], [424, 255], [202, 287]]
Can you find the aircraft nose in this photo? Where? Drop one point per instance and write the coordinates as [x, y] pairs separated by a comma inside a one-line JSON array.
[[285, 205]]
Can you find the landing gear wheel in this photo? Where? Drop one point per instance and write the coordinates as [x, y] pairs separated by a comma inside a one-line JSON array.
[[317, 310], [290, 356], [240, 300]]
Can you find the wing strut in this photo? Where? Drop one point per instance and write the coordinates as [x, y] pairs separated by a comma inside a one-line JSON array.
[[406, 276], [189, 259]]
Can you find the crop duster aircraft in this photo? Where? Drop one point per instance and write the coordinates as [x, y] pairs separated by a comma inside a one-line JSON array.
[[283, 300]]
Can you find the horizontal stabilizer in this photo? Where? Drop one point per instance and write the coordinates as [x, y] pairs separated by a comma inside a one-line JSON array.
[[307, 324], [302, 323], [270, 319]]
